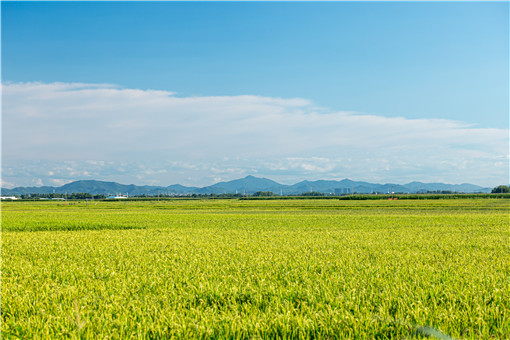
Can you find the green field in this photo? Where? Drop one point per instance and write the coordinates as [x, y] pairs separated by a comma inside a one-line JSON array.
[[256, 269]]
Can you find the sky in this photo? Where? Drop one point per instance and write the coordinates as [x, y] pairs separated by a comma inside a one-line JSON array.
[[194, 93]]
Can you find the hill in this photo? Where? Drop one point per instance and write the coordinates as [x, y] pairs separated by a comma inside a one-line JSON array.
[[249, 185]]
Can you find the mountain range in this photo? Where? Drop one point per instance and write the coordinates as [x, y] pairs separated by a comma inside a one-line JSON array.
[[248, 185]]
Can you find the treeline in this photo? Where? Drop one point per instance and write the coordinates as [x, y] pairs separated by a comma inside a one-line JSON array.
[[501, 189], [361, 197], [172, 196], [71, 196]]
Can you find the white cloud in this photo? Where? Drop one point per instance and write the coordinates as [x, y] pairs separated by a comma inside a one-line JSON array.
[[59, 182], [6, 184], [109, 131]]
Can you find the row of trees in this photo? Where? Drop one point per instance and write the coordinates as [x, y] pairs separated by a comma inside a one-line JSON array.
[[501, 189], [71, 196]]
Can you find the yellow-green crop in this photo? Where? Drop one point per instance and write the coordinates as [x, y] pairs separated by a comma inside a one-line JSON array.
[[250, 269]]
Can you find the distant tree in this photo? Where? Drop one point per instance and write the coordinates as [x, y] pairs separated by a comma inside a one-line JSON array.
[[230, 195], [313, 193], [501, 189], [263, 193], [80, 195]]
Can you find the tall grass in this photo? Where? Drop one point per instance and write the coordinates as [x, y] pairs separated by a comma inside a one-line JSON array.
[[250, 269]]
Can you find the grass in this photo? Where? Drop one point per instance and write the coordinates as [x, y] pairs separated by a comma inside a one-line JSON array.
[[256, 269]]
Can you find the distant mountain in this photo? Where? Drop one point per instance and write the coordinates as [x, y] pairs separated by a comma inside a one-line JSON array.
[[180, 189], [249, 185], [88, 186], [98, 187], [465, 187], [346, 186]]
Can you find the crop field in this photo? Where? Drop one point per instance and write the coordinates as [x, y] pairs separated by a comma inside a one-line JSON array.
[[276, 269]]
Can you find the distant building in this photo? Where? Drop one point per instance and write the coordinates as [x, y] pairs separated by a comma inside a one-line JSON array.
[[342, 191], [9, 197], [116, 197]]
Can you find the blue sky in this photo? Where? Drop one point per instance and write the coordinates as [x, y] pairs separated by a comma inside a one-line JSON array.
[[275, 89]]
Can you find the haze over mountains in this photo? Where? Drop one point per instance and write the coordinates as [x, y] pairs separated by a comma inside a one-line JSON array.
[[248, 185]]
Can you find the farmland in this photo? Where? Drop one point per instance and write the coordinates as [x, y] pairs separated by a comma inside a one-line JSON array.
[[256, 269]]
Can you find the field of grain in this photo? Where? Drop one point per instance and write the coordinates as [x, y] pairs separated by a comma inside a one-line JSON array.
[[256, 269]]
